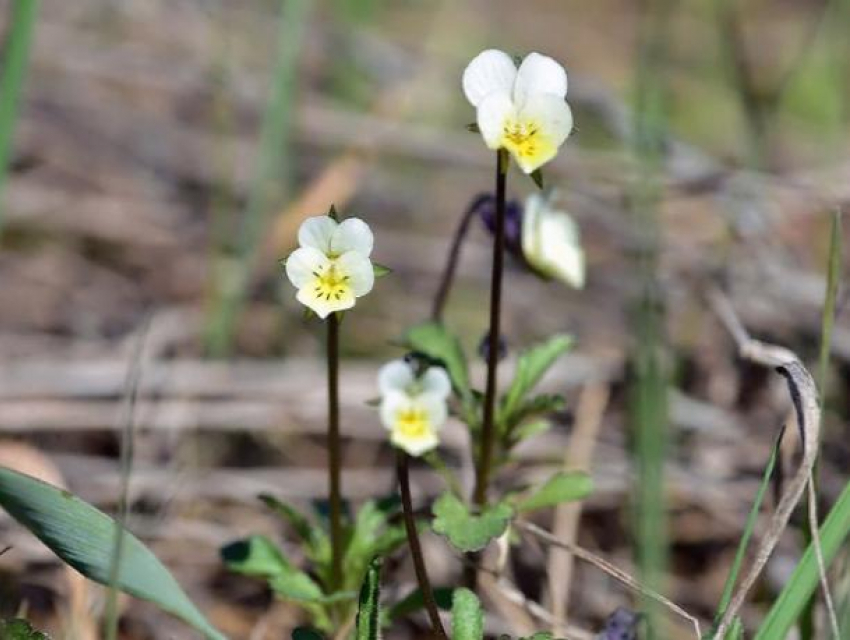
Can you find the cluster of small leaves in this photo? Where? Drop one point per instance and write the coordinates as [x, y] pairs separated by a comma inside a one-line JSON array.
[[520, 414], [18, 629], [370, 534]]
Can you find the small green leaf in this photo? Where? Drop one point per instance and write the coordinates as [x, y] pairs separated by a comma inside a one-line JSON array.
[[466, 531], [435, 341], [18, 629], [537, 176], [306, 530], [564, 486], [380, 270], [530, 429], [532, 365], [473, 127], [467, 616], [83, 537], [369, 609], [305, 633]]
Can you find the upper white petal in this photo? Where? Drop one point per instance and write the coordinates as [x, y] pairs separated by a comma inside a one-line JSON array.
[[435, 381], [395, 376], [490, 71], [352, 234], [539, 74], [302, 264], [492, 113], [317, 232], [359, 270]]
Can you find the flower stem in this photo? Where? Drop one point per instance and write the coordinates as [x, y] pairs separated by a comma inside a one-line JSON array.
[[334, 456], [454, 255], [488, 425], [402, 467]]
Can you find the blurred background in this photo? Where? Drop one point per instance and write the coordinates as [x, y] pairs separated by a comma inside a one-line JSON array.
[[164, 154]]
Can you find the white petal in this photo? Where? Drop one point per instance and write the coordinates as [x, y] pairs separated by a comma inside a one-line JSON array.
[[539, 74], [395, 376], [323, 306], [302, 264], [359, 271], [491, 71], [436, 381], [492, 114], [352, 234], [551, 242], [391, 403], [435, 407], [316, 232], [553, 120]]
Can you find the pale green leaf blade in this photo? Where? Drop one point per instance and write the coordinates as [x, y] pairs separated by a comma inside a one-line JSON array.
[[369, 610], [83, 537], [531, 367], [467, 616], [564, 486], [435, 341], [467, 531]]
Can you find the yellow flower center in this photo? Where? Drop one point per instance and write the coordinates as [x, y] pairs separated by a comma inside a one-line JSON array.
[[412, 423], [330, 283], [521, 138]]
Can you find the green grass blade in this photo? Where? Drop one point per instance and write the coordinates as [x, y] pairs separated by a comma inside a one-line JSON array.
[[15, 59], [82, 537], [369, 610], [735, 570], [805, 579]]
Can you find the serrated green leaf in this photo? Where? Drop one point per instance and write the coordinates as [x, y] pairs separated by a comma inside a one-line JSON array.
[[369, 609], [305, 633], [435, 341], [467, 531], [83, 537], [531, 367], [18, 629], [564, 486], [467, 616], [537, 177], [380, 270]]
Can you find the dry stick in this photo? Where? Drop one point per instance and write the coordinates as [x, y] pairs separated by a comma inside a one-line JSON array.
[[804, 397], [403, 469], [610, 569], [591, 406]]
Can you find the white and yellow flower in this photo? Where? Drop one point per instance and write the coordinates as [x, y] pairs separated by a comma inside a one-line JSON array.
[[522, 110], [331, 268], [551, 242], [413, 408]]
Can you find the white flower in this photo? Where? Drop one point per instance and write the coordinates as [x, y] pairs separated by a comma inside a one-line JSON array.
[[413, 408], [551, 243], [331, 268], [523, 111]]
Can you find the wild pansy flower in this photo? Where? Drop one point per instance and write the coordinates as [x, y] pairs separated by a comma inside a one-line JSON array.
[[331, 268], [540, 235], [413, 406], [521, 110]]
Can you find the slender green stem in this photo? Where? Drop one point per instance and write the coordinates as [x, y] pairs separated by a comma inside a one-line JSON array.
[[488, 426], [451, 263], [15, 56], [334, 452], [402, 468]]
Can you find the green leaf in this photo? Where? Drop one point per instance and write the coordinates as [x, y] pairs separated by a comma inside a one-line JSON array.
[[466, 531], [537, 177], [414, 602], [380, 270], [531, 367], [787, 607], [18, 629], [467, 616], [83, 537], [305, 633], [369, 610], [544, 404], [530, 429], [301, 524], [564, 486], [435, 341]]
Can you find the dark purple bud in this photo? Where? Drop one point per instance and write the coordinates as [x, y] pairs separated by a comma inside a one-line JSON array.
[[620, 625], [484, 348], [486, 207]]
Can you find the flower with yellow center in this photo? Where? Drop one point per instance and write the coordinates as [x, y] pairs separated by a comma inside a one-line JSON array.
[[521, 110], [331, 268], [551, 243], [413, 408]]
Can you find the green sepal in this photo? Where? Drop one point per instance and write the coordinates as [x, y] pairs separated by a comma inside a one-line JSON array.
[[473, 127], [333, 213], [537, 177], [380, 270]]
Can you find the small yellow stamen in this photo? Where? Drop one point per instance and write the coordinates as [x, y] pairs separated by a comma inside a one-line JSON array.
[[521, 138], [412, 423], [330, 283]]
